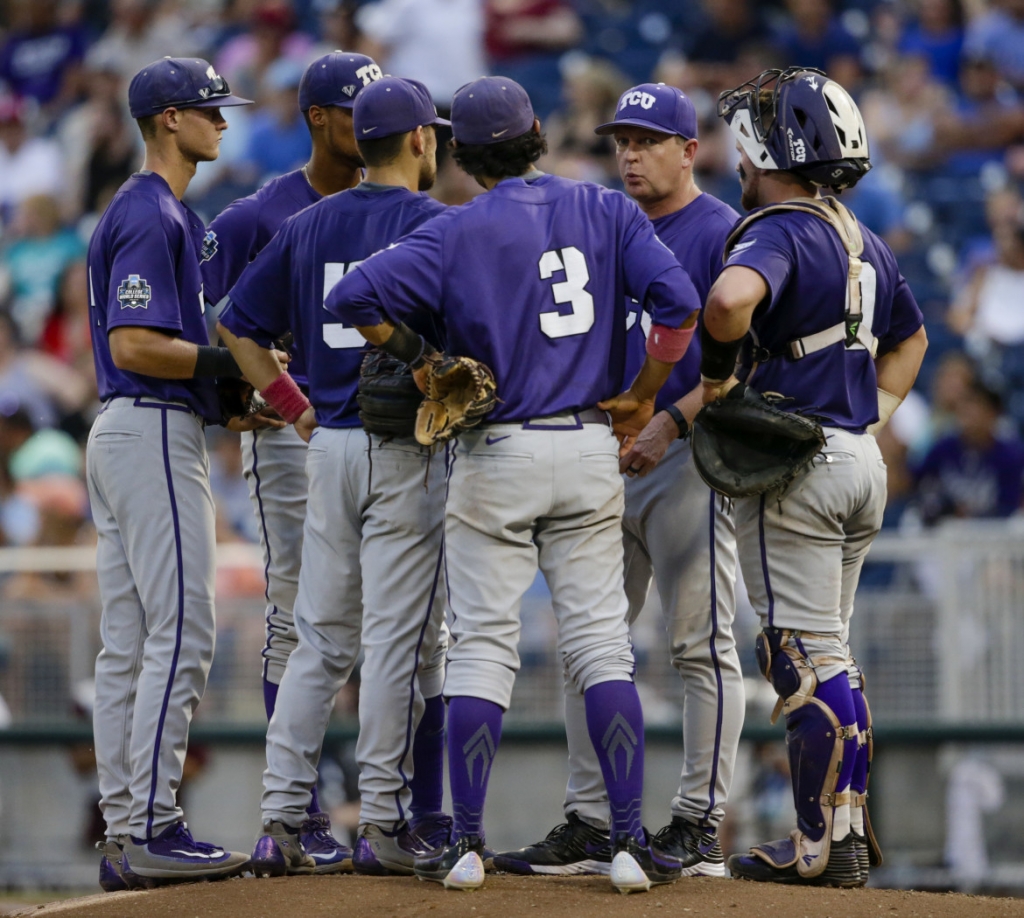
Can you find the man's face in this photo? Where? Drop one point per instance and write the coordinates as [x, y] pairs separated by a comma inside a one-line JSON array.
[[338, 131], [199, 133], [750, 177], [652, 165], [428, 165]]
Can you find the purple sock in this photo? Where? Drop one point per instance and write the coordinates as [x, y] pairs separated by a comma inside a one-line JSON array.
[[838, 695], [616, 725], [314, 803], [427, 784], [859, 780], [474, 731], [269, 697]]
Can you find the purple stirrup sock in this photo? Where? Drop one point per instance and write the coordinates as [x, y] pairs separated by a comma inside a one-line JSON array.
[[859, 780], [427, 784], [269, 697], [474, 731], [314, 803], [616, 725], [838, 695]]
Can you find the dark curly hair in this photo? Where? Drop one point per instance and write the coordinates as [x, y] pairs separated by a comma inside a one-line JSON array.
[[507, 159]]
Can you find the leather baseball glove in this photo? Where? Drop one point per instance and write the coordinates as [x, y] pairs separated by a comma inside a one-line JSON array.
[[237, 398], [744, 444], [388, 398], [460, 391]]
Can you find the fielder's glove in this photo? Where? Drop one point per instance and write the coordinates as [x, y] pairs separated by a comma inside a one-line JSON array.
[[388, 398], [237, 398], [744, 444], [460, 391]]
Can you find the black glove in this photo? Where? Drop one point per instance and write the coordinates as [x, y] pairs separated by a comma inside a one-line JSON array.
[[237, 398], [388, 398], [744, 444]]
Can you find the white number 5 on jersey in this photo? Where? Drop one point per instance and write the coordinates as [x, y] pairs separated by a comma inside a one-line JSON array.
[[572, 290], [337, 335]]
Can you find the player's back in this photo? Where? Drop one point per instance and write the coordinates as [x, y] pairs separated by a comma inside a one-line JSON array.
[[312, 251], [805, 264]]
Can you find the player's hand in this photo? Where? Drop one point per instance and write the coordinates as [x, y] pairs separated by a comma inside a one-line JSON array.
[[630, 414], [715, 392], [645, 452], [306, 424], [420, 378], [264, 418], [283, 357]]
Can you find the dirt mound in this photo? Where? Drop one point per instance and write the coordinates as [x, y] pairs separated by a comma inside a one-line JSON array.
[[512, 897]]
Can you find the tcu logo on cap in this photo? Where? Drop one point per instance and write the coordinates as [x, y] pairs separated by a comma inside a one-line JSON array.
[[644, 99], [369, 73]]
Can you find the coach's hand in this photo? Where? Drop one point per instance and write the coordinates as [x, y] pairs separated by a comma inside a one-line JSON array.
[[265, 417], [630, 414], [646, 451], [306, 424]]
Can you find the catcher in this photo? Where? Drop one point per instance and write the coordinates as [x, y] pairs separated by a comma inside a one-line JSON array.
[[836, 331]]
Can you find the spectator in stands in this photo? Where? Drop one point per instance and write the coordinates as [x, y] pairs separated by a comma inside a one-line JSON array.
[[525, 39], [937, 34], [814, 37], [998, 35], [976, 472], [28, 165], [714, 50], [41, 58], [279, 140], [245, 61], [34, 262], [140, 32], [439, 42]]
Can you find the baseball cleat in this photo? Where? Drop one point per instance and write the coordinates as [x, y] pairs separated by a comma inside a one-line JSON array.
[[697, 847], [456, 866], [636, 867], [433, 830], [174, 856], [863, 852], [381, 854], [574, 847], [842, 870], [279, 852], [111, 873], [331, 855]]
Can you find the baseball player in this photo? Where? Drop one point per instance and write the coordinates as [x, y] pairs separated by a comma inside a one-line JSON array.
[[672, 524], [836, 331], [149, 480], [531, 279], [273, 460], [371, 555]]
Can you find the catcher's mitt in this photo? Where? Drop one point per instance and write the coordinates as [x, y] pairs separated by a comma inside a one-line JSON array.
[[237, 398], [744, 444], [387, 396], [460, 391]]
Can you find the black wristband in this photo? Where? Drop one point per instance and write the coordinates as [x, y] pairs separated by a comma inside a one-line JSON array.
[[677, 416], [215, 361], [717, 358], [407, 346]]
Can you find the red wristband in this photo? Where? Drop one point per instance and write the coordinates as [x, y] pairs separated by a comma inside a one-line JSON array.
[[669, 344], [286, 398]]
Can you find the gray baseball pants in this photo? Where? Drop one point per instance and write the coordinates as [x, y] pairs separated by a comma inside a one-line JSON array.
[[371, 576], [149, 484], [675, 527]]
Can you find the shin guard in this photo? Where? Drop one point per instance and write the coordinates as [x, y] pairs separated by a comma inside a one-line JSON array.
[[862, 774]]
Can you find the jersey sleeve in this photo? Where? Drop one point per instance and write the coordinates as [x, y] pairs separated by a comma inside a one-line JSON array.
[[767, 249], [143, 288], [259, 302], [905, 319], [654, 276], [230, 248], [404, 279]]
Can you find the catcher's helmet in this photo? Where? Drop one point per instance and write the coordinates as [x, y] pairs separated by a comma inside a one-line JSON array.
[[798, 120]]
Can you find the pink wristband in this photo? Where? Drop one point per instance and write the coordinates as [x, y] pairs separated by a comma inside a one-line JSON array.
[[286, 398], [669, 344]]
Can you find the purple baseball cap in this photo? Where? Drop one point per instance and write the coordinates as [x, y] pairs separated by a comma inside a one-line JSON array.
[[336, 79], [179, 82], [393, 105], [490, 110], [656, 107]]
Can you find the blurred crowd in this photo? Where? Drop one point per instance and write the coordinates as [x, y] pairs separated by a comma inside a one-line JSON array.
[[940, 84]]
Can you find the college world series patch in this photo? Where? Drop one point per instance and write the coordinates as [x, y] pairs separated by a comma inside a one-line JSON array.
[[209, 248], [134, 293]]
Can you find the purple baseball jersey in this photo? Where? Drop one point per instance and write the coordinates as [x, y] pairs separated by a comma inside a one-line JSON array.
[[805, 265], [241, 232], [144, 271], [531, 278], [284, 288], [696, 235]]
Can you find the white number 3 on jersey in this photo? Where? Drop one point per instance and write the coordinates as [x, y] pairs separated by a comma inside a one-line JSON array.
[[572, 290]]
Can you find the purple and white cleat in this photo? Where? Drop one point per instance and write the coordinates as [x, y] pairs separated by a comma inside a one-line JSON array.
[[279, 852], [111, 873], [174, 856], [331, 855], [433, 829], [380, 853]]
